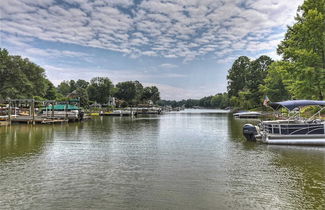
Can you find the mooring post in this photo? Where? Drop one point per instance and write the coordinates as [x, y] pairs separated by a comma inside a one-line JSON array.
[[45, 110], [30, 109], [52, 109], [33, 110], [66, 111], [9, 112]]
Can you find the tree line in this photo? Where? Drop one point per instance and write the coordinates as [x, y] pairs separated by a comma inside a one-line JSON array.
[[219, 100], [100, 89], [21, 79]]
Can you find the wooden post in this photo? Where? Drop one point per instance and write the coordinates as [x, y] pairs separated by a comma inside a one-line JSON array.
[[15, 109], [9, 112], [52, 109], [30, 109], [46, 110], [33, 111], [66, 111]]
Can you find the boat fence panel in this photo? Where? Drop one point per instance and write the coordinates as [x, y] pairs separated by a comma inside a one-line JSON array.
[[294, 129]]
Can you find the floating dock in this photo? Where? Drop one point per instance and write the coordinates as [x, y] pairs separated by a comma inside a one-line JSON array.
[[119, 113]]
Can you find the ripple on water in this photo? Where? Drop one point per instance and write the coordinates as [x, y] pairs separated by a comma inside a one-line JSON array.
[[188, 160]]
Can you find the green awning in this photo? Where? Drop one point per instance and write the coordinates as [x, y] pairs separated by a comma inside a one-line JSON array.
[[60, 107]]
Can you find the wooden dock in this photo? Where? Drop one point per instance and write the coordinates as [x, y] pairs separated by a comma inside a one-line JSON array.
[[37, 119]]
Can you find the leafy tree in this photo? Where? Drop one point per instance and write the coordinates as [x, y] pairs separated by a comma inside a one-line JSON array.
[[83, 97], [304, 48], [189, 103], [64, 88], [138, 91], [72, 85], [220, 100], [99, 89], [244, 80], [257, 72], [82, 84], [244, 99], [205, 101], [151, 93], [155, 94], [126, 91], [20, 78], [34, 74], [276, 84], [51, 91], [171, 103], [237, 75]]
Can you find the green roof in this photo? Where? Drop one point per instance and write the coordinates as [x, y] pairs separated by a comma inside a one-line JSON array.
[[63, 107]]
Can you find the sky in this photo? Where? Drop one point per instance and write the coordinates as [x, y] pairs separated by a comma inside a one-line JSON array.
[[184, 47]]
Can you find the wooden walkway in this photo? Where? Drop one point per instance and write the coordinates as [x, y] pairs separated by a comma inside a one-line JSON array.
[[37, 119]]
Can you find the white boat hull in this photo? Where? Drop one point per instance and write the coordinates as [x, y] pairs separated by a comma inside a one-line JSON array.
[[316, 140]]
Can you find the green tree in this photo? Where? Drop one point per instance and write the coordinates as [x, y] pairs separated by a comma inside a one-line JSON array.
[[244, 80], [220, 100], [51, 92], [20, 78], [276, 84], [189, 103], [237, 76], [146, 94], [304, 48], [138, 91], [257, 72], [151, 93], [83, 97], [245, 99], [64, 88], [72, 85], [205, 102], [99, 89], [126, 91], [82, 84]]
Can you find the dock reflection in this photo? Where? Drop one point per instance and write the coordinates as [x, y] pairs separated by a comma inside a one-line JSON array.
[[22, 140]]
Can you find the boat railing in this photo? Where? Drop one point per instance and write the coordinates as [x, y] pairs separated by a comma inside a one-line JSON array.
[[294, 129], [317, 113]]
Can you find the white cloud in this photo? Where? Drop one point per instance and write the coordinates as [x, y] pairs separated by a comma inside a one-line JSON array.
[[171, 29], [168, 65]]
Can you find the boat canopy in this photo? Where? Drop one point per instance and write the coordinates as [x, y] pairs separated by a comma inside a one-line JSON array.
[[296, 103], [60, 107]]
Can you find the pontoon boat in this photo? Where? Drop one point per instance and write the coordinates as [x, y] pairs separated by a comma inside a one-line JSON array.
[[293, 130]]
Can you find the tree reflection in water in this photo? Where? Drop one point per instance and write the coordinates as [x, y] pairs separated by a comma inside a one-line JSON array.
[[22, 140]]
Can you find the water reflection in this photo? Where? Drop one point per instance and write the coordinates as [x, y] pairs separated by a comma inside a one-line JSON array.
[[305, 166], [184, 160], [236, 131], [21, 140]]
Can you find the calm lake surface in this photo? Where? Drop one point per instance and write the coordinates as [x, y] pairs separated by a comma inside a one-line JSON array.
[[194, 159]]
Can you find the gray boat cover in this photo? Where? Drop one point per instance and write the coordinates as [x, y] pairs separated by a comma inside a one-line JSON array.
[[296, 103]]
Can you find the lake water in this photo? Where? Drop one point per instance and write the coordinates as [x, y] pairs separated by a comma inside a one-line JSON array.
[[194, 159]]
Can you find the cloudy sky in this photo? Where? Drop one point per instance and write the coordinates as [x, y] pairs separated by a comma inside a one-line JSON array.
[[185, 47]]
